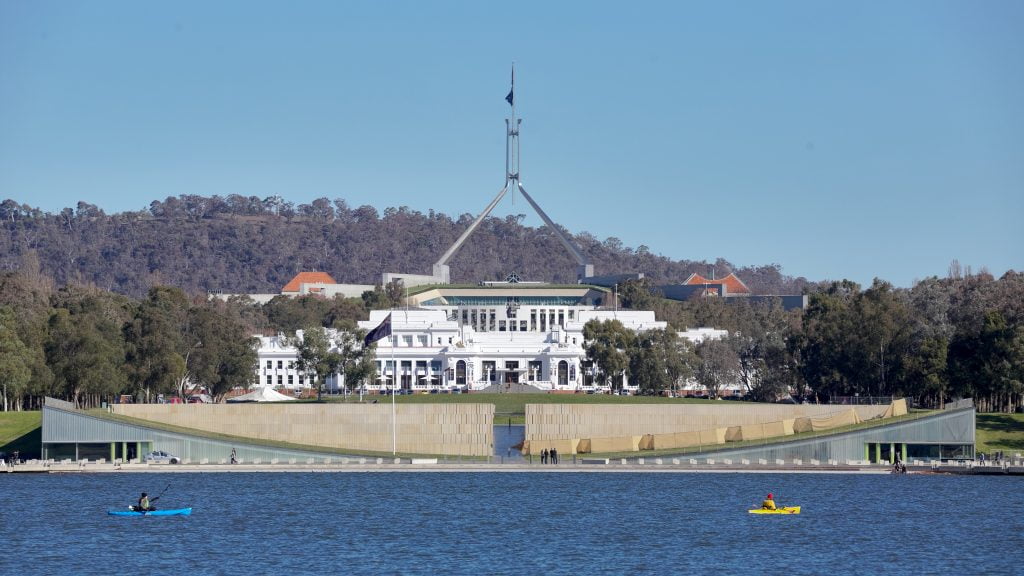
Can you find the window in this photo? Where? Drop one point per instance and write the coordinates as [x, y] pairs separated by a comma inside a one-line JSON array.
[[535, 368]]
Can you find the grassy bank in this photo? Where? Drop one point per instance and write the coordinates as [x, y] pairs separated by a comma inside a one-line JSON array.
[[21, 432], [1000, 432]]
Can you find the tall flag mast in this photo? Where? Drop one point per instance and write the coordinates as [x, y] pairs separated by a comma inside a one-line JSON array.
[[512, 140]]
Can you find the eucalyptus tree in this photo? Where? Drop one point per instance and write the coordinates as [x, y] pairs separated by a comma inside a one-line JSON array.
[[607, 345], [719, 365], [224, 354], [157, 342], [15, 371], [316, 355], [659, 360]]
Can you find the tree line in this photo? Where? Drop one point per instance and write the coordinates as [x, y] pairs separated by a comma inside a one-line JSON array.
[[248, 245], [89, 345], [955, 337], [943, 338]]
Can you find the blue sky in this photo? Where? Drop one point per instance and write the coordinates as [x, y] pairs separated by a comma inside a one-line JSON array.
[[854, 140]]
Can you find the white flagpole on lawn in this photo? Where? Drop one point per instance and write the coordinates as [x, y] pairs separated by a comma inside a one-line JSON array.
[[394, 380]]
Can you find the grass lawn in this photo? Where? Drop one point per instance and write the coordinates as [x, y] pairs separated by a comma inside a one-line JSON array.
[[21, 431], [1000, 432]]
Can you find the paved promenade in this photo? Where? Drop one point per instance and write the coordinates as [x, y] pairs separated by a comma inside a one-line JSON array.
[[417, 465]]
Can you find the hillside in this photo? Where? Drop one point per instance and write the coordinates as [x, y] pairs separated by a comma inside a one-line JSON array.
[[239, 244]]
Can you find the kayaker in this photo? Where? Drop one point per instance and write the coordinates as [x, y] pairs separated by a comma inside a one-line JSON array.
[[145, 504], [769, 503]]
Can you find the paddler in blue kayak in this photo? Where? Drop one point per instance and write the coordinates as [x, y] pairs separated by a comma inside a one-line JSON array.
[[144, 503], [769, 503]]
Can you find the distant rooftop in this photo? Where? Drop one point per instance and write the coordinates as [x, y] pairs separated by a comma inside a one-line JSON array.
[[307, 278]]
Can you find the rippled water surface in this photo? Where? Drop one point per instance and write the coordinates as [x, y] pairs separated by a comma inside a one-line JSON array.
[[527, 523]]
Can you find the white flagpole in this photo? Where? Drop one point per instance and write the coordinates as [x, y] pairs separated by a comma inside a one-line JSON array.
[[394, 381]]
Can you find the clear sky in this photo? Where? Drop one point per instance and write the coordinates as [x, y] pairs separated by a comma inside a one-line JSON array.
[[839, 140]]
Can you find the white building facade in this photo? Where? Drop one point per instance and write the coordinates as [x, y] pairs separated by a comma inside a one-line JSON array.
[[481, 342]]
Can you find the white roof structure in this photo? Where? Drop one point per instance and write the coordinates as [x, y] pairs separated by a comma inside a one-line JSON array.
[[262, 394]]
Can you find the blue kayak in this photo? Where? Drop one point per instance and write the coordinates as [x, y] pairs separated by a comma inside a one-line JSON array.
[[167, 512]]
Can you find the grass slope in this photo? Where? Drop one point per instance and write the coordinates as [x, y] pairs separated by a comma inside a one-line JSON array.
[[22, 432], [1000, 432]]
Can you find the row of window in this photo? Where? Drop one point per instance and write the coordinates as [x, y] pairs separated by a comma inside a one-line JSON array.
[[290, 377]]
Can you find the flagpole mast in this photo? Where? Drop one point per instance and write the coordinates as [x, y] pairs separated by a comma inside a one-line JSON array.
[[394, 380]]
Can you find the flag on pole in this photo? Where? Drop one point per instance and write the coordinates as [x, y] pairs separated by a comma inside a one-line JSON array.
[[513, 89], [381, 331]]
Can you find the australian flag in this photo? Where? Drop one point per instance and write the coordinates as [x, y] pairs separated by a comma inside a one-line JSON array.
[[513, 89], [381, 331]]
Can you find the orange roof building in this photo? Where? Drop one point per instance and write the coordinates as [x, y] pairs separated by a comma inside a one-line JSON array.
[[295, 285], [732, 285]]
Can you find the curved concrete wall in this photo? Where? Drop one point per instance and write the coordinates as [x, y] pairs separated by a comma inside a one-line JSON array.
[[556, 421], [451, 429]]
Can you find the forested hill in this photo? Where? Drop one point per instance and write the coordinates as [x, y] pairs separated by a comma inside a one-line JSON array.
[[244, 244]]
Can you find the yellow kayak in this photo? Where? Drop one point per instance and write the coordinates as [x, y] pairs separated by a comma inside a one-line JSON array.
[[785, 510]]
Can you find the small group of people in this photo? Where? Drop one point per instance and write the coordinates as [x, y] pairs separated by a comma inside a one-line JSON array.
[[549, 456], [997, 457], [898, 467]]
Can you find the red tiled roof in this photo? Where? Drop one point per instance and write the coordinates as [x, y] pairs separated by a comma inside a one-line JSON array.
[[307, 278], [733, 285]]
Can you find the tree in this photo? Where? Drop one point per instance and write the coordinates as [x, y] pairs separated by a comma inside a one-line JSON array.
[[86, 356], [607, 343], [156, 341], [357, 363], [316, 355], [659, 360], [15, 370], [718, 367], [224, 356]]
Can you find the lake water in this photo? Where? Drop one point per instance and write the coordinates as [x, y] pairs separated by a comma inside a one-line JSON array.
[[508, 523]]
